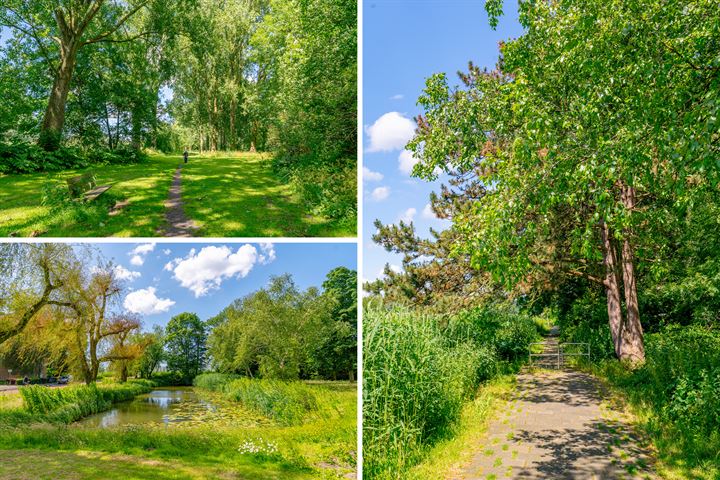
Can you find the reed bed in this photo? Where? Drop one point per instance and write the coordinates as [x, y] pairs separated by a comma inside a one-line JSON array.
[[420, 369], [288, 403]]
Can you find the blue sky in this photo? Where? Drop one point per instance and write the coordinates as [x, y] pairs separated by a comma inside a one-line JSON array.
[[165, 279], [404, 42]]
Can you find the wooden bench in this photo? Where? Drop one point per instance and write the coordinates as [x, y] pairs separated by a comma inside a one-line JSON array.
[[84, 186]]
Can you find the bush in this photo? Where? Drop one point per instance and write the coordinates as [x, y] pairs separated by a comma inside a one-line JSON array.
[[680, 385], [500, 327], [30, 158], [168, 379], [329, 189]]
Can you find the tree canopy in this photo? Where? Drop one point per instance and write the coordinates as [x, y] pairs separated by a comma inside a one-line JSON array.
[[592, 143]]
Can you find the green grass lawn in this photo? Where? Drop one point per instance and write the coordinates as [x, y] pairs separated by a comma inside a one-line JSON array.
[[323, 447], [226, 195]]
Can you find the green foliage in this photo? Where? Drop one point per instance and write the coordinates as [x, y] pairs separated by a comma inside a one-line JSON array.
[[284, 333], [335, 353], [330, 190], [215, 382], [29, 158], [153, 353], [185, 345], [678, 387], [314, 99], [499, 327], [288, 403], [66, 405], [419, 370], [168, 379]]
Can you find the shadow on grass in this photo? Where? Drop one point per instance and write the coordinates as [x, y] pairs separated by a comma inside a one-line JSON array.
[[64, 465], [241, 196], [236, 195], [143, 186]]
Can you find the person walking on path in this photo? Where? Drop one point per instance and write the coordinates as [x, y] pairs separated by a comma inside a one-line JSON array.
[[185, 154]]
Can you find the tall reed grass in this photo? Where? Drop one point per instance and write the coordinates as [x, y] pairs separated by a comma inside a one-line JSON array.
[[66, 405], [418, 372], [288, 403]]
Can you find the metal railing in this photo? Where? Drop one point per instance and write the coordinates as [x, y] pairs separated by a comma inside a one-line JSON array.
[[560, 353]]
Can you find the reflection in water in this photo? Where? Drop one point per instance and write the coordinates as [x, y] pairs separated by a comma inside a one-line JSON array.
[[166, 406]]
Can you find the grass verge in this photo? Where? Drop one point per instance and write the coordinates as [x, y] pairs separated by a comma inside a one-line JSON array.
[[446, 454]]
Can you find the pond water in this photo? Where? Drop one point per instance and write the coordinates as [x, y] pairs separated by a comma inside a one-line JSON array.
[[166, 405]]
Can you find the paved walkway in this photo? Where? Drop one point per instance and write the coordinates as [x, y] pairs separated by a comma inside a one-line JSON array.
[[178, 224], [558, 427]]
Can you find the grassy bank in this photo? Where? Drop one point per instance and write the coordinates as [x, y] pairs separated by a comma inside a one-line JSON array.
[[41, 404], [674, 396], [226, 195], [420, 372], [321, 446]]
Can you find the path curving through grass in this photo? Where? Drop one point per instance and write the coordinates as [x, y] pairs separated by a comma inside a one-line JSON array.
[[225, 195]]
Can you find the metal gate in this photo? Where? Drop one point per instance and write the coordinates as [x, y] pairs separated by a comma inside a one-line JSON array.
[[556, 356]]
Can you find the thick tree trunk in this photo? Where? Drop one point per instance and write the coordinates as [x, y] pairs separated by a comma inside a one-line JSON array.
[[54, 119], [612, 288], [634, 349]]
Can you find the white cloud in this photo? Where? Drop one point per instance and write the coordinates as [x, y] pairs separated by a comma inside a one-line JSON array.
[[408, 215], [380, 194], [390, 132], [138, 253], [398, 96], [205, 270], [143, 249], [370, 176], [396, 268], [428, 212], [145, 302], [406, 162], [167, 251], [122, 273], [268, 250]]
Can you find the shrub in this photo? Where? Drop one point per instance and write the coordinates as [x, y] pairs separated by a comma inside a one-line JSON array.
[[168, 379], [679, 384], [30, 158], [500, 327]]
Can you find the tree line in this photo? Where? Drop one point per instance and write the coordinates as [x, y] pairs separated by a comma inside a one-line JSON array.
[[241, 74]]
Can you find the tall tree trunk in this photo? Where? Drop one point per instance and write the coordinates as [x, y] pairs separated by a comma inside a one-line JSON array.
[[54, 119], [612, 288], [136, 130], [108, 127], [634, 349]]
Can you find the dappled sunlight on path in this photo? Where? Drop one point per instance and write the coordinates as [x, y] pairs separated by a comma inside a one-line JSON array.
[[558, 427]]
